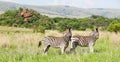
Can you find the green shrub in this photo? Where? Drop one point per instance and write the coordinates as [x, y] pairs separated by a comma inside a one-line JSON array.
[[42, 22], [82, 28], [39, 29], [114, 27]]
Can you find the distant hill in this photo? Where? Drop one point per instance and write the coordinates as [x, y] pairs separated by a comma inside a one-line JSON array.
[[63, 11]]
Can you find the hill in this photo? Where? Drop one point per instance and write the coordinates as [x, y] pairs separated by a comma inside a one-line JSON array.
[[63, 11]]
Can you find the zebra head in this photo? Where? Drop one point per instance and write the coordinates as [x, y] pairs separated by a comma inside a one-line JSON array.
[[68, 34], [95, 34]]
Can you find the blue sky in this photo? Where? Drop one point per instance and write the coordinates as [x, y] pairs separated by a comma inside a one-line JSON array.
[[75, 3]]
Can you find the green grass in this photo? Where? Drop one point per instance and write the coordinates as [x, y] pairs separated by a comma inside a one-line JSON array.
[[21, 51]]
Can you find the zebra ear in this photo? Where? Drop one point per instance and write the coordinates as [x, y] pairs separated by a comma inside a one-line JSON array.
[[96, 29], [69, 29]]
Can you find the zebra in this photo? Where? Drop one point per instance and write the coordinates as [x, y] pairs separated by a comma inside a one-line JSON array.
[[84, 41], [57, 42]]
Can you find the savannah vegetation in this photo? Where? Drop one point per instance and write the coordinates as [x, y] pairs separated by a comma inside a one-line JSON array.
[[40, 23], [18, 43], [22, 46]]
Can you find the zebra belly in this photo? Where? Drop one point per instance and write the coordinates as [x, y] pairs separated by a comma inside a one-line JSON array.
[[84, 44]]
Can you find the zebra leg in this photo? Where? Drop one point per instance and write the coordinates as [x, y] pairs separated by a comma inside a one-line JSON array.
[[73, 46], [91, 47], [46, 49], [63, 49]]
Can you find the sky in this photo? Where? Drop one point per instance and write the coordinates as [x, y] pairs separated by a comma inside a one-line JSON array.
[[76, 3]]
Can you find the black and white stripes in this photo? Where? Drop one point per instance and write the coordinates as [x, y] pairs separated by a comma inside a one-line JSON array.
[[63, 42], [57, 42], [85, 41]]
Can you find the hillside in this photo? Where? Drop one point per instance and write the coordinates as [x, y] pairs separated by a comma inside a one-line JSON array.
[[63, 11]]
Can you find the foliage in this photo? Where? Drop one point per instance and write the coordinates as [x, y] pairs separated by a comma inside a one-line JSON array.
[[114, 27], [40, 22]]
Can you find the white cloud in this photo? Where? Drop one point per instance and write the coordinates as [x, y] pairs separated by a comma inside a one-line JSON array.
[[78, 3], [89, 3], [7, 0]]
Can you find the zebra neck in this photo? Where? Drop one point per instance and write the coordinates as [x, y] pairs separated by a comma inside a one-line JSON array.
[[93, 38], [66, 39]]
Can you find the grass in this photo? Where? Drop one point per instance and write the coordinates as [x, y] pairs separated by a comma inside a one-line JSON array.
[[22, 47]]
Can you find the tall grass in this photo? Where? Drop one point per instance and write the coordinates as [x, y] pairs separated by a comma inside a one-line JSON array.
[[22, 47]]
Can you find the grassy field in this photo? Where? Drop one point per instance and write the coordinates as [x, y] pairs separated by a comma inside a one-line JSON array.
[[21, 46]]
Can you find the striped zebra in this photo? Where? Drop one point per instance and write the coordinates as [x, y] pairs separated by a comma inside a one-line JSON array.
[[85, 41], [57, 42]]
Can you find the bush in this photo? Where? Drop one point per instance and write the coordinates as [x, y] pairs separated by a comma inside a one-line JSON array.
[[39, 29], [81, 28], [41, 22], [114, 27]]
